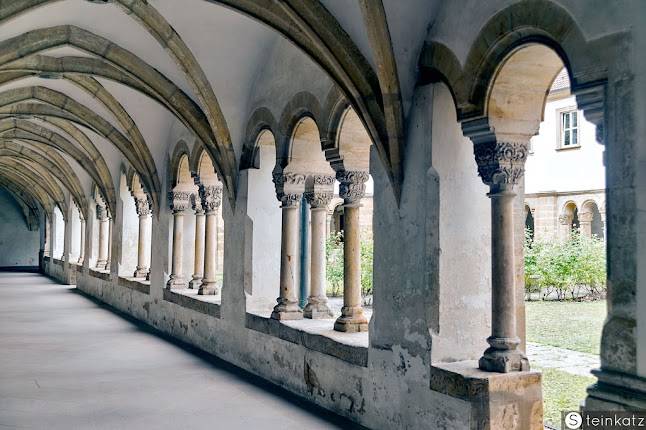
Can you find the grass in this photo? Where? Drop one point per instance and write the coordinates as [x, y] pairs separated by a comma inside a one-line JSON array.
[[562, 391], [571, 325]]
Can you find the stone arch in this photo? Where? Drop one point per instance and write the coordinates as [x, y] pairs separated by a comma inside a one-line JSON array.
[[180, 152], [592, 223], [351, 150], [305, 152], [540, 22], [261, 120], [303, 104]]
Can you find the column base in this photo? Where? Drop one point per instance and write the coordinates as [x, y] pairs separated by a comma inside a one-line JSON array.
[[208, 289], [141, 272], [80, 260], [616, 391], [352, 320], [503, 356], [101, 265], [176, 283], [286, 310], [317, 308], [195, 283]]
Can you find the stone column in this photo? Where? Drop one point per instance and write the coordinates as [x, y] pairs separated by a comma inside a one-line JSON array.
[[198, 261], [351, 190], [289, 190], [82, 250], [319, 200], [585, 224], [144, 211], [104, 227], [565, 227], [48, 234], [211, 199], [179, 203], [108, 264], [501, 165]]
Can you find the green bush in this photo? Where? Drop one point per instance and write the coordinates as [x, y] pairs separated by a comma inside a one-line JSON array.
[[334, 249], [572, 268]]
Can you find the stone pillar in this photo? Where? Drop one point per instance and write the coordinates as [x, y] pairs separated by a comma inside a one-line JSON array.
[[565, 227], [82, 249], [318, 199], [48, 234], [585, 224], [180, 201], [144, 211], [351, 190], [104, 227], [108, 264], [211, 199], [501, 165], [198, 261]]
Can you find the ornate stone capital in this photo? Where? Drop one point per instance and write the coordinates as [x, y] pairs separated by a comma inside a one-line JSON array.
[[501, 163], [196, 203], [211, 196], [319, 199], [101, 213], [288, 183], [564, 219], [291, 200], [352, 185], [179, 200], [143, 205]]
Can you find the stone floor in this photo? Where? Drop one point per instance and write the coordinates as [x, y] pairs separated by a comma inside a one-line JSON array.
[[545, 356], [68, 363]]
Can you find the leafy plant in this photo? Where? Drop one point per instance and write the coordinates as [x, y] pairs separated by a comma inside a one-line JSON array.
[[334, 249], [573, 268]]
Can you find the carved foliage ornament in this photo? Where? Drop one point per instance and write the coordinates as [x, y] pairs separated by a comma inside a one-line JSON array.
[[501, 163], [101, 213], [352, 185], [143, 205], [179, 200], [211, 197], [288, 183], [319, 199], [290, 200]]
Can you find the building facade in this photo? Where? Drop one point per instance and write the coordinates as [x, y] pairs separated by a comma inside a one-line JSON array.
[[565, 173]]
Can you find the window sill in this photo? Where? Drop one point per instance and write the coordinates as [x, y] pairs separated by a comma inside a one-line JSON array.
[[140, 285], [101, 274], [567, 148], [317, 335], [188, 298]]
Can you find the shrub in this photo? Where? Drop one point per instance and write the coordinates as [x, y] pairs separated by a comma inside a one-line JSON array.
[[334, 249], [572, 268]]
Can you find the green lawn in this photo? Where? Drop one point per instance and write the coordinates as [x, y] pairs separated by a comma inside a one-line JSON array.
[[571, 325], [562, 391]]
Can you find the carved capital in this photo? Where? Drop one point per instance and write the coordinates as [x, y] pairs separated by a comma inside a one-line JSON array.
[[564, 219], [143, 205], [288, 183], [291, 200], [211, 196], [196, 203], [179, 200], [101, 213], [352, 185], [319, 199], [501, 163]]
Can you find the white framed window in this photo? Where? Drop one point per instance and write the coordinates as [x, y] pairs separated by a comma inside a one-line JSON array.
[[569, 136]]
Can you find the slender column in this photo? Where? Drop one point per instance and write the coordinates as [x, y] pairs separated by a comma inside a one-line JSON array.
[[108, 264], [198, 261], [82, 249], [585, 224], [317, 306], [565, 227], [352, 188], [501, 165], [102, 216], [179, 203], [211, 199], [144, 210], [48, 234]]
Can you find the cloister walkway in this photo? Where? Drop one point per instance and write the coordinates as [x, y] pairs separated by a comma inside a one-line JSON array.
[[69, 363]]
